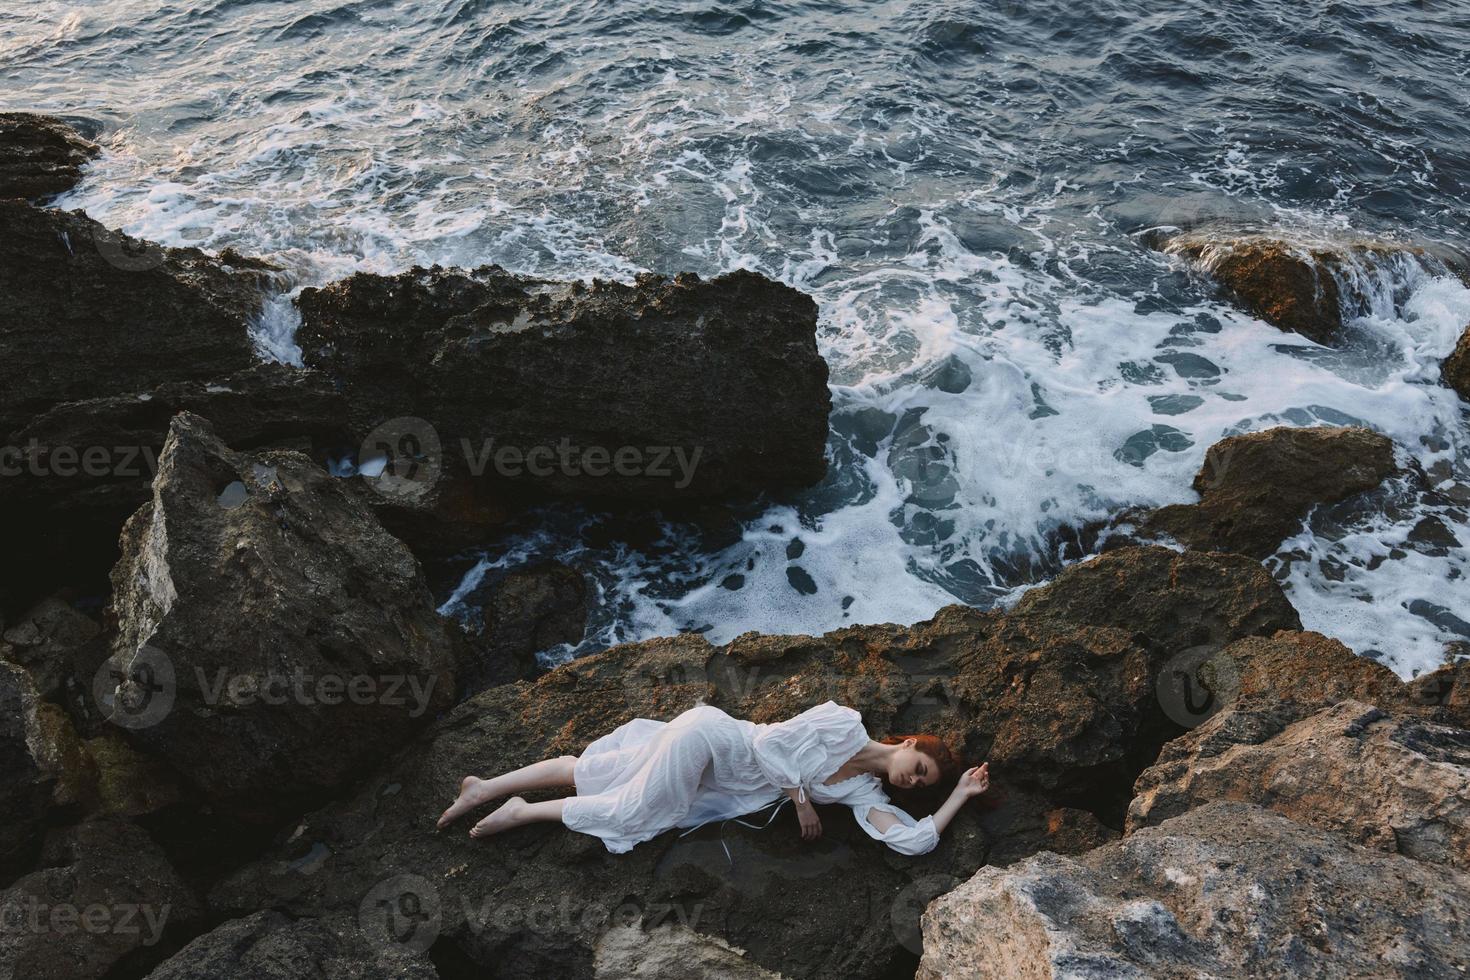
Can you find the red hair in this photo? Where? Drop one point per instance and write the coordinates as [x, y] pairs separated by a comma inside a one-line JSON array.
[[936, 749]]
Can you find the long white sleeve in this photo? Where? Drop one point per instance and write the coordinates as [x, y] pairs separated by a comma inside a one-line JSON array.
[[809, 747], [908, 836]]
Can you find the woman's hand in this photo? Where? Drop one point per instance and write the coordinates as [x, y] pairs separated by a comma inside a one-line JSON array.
[[973, 782], [811, 824]]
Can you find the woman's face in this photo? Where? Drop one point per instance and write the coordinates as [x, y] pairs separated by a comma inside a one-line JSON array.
[[909, 768]]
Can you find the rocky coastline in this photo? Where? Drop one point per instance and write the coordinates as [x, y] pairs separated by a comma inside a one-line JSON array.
[[230, 710]]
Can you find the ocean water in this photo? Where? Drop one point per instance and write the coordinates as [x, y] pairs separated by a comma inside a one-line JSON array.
[[962, 186]]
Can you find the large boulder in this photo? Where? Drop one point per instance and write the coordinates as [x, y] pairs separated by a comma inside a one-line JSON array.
[[272, 638], [1456, 368], [1301, 285], [1059, 694], [1396, 783], [40, 156], [1256, 488], [106, 902], [271, 946], [661, 391], [1225, 890]]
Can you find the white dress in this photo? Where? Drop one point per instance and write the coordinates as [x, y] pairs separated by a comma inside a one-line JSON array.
[[647, 777]]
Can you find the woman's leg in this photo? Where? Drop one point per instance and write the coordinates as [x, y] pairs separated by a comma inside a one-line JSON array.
[[473, 791], [516, 812]]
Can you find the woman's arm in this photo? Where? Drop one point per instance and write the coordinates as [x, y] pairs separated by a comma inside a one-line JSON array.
[[907, 836], [972, 783]]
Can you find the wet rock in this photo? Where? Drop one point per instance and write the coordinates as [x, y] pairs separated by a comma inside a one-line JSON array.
[[518, 614], [1456, 368], [91, 313], [271, 946], [662, 391], [439, 520], [1391, 782], [272, 638], [85, 466], [105, 899], [40, 156], [104, 338], [1225, 890], [26, 774], [1059, 694], [45, 639], [1301, 286], [1256, 488]]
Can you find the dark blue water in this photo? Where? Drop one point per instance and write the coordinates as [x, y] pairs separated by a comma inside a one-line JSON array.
[[962, 186]]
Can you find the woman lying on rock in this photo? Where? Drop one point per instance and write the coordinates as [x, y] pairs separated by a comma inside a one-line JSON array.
[[647, 777]]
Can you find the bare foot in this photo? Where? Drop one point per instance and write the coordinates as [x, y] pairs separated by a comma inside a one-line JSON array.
[[472, 793], [504, 818]]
